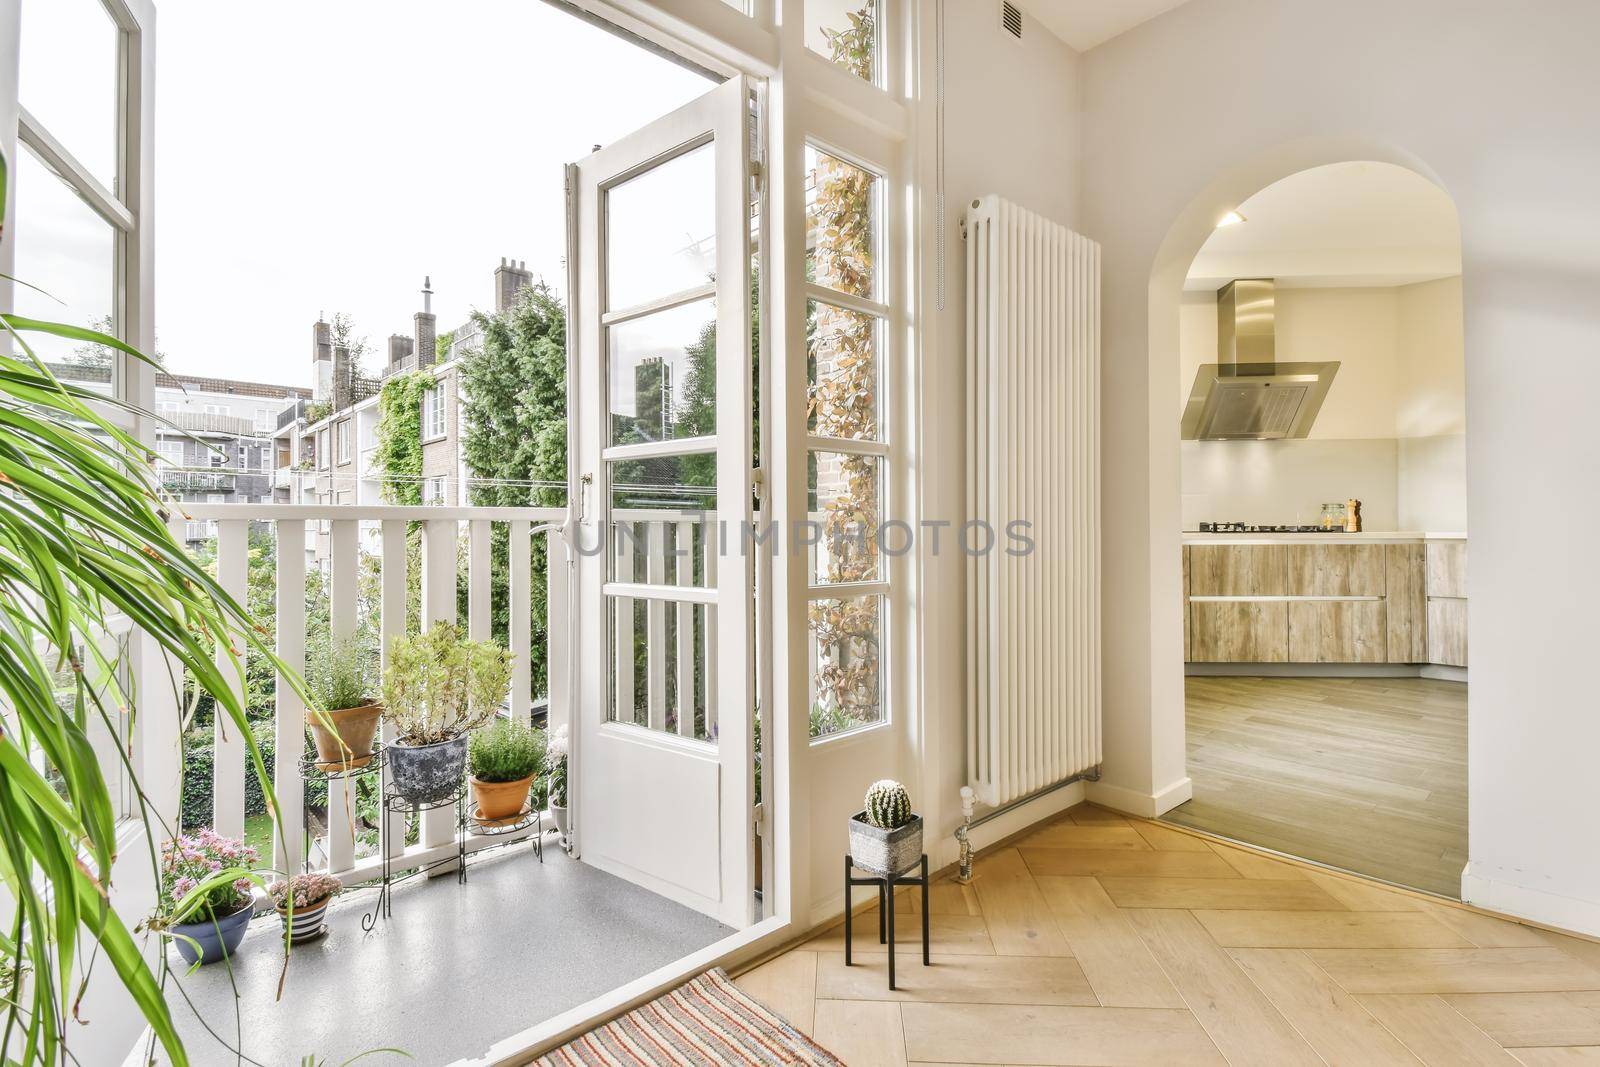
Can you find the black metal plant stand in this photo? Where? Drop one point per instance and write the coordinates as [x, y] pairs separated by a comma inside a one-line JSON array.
[[886, 884], [395, 804], [313, 770]]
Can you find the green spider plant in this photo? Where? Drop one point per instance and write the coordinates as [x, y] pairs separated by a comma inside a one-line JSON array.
[[83, 538]]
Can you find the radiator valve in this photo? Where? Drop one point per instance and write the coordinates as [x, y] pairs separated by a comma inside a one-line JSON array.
[[964, 869]]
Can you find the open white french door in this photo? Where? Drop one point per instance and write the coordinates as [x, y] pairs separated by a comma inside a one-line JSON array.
[[662, 766]]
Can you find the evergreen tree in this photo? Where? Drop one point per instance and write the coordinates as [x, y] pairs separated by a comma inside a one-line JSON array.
[[514, 400]]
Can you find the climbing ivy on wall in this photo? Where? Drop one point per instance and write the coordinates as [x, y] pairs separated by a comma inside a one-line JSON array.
[[399, 450]]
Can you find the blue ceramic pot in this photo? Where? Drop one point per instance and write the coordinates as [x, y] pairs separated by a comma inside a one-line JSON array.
[[210, 941]]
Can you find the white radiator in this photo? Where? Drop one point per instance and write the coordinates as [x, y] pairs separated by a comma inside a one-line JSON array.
[[1033, 455]]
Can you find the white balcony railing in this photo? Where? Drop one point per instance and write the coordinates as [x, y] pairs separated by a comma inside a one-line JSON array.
[[380, 533], [658, 547]]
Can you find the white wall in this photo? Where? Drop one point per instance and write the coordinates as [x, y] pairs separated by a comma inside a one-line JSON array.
[[1272, 482], [1400, 380], [1010, 128], [1186, 116]]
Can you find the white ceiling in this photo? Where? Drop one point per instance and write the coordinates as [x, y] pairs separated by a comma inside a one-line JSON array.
[[1348, 224], [1086, 23]]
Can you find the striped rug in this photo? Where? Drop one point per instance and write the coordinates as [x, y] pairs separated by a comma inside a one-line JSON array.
[[705, 1021]]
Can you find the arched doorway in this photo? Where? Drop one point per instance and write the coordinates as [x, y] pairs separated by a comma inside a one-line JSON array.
[[1316, 317]]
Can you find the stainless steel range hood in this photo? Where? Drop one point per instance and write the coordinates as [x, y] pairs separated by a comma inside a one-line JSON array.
[[1247, 395]]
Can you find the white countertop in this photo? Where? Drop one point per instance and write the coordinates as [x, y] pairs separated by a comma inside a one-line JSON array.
[[1195, 537]]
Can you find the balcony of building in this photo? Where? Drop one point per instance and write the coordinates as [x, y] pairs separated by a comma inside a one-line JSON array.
[[556, 931]]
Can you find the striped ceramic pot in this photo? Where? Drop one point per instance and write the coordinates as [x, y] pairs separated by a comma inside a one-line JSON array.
[[307, 921]]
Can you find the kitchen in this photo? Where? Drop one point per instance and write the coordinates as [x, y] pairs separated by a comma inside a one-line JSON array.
[[1324, 545]]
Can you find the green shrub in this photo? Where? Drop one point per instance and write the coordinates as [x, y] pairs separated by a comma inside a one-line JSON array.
[[506, 752], [439, 685], [337, 674]]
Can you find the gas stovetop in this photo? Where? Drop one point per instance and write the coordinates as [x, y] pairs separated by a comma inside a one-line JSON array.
[[1245, 527]]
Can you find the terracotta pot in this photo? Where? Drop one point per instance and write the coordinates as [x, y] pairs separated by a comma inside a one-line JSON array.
[[354, 727], [500, 800]]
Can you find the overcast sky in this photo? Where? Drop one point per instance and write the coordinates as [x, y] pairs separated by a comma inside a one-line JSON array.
[[325, 155]]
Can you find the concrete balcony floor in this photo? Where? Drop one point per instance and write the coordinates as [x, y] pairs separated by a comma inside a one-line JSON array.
[[452, 970]]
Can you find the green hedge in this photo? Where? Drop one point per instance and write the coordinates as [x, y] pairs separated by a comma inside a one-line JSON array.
[[198, 768]]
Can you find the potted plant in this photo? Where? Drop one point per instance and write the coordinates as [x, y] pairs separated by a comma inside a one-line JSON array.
[[556, 761], [885, 837], [206, 893], [437, 688], [345, 729], [310, 895], [504, 758]]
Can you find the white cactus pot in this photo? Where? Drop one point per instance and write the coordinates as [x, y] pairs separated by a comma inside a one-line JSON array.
[[887, 852]]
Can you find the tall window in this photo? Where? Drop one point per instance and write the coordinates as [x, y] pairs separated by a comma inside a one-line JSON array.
[[71, 226], [344, 441], [849, 33], [848, 449], [433, 401]]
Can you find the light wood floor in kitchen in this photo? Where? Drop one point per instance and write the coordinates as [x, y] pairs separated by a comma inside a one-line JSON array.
[[1366, 774], [1103, 940]]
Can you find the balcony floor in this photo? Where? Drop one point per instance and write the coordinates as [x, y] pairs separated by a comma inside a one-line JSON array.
[[452, 970]]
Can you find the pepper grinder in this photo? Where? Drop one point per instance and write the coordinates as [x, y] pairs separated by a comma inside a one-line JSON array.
[[1352, 516]]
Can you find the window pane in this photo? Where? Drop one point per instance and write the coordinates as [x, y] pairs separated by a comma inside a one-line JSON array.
[[842, 365], [846, 32], [68, 250], [661, 235], [663, 515], [662, 666], [841, 224], [845, 500], [67, 77], [663, 374], [846, 663]]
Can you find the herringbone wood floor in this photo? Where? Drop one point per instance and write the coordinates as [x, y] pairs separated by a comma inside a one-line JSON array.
[[1099, 939]]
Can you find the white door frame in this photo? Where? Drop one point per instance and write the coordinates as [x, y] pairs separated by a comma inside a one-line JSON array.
[[620, 767]]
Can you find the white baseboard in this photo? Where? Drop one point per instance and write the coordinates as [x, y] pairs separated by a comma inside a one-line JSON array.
[[1479, 886], [1302, 670], [1133, 802]]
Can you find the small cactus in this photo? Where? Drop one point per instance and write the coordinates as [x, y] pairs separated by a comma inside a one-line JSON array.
[[888, 804]]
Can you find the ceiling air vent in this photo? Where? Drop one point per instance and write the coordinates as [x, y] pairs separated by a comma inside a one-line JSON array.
[[1011, 18]]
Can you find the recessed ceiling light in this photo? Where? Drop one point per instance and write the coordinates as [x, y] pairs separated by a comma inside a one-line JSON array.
[[1230, 219]]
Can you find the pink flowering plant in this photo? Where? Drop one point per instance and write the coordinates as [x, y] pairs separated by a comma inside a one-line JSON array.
[[305, 890], [205, 876]]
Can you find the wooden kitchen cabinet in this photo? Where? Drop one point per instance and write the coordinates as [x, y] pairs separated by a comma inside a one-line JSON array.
[[1447, 631], [1334, 570], [1187, 654], [1406, 604], [1337, 631], [1239, 631], [1447, 568], [1238, 570]]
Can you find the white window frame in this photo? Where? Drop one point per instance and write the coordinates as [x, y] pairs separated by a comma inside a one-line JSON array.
[[885, 588], [324, 452], [434, 423], [344, 431], [126, 206]]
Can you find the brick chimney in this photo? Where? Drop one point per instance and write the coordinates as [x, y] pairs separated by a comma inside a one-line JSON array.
[[321, 360], [510, 279], [424, 327], [399, 350]]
